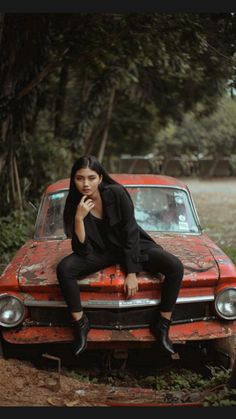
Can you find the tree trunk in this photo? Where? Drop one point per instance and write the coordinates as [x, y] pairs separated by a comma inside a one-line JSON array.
[[213, 166], [17, 182], [32, 125], [14, 182], [10, 185], [95, 104], [8, 180], [60, 100], [165, 164], [97, 132], [30, 86], [108, 121], [12, 195], [1, 26], [85, 90]]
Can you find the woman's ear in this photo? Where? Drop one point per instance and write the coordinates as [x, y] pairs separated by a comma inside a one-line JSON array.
[[100, 179]]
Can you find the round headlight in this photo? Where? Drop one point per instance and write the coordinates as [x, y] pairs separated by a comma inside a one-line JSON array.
[[225, 304], [12, 310]]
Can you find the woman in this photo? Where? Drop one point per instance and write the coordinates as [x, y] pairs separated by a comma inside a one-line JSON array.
[[99, 218]]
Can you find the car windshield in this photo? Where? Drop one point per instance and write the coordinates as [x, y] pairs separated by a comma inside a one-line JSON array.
[[161, 209]]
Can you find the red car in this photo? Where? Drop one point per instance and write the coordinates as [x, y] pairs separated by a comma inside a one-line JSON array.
[[32, 308]]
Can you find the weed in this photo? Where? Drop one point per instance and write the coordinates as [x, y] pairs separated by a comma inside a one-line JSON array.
[[231, 252]]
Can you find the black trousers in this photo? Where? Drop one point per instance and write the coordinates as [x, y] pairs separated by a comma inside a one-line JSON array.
[[74, 266]]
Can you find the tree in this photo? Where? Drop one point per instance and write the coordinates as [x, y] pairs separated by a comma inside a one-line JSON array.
[[23, 50], [213, 135], [60, 70]]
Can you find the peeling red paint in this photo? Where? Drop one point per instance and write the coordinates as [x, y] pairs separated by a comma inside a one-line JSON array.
[[178, 333], [38, 270], [31, 275]]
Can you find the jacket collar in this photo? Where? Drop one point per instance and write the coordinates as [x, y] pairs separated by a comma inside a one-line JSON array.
[[110, 205]]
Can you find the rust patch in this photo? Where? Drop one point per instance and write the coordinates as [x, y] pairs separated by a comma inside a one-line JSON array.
[[178, 333]]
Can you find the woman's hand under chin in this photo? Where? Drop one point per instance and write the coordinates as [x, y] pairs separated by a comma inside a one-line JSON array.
[[84, 207]]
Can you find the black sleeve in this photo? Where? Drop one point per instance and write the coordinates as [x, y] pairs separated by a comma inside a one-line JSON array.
[[130, 234], [69, 228], [80, 248]]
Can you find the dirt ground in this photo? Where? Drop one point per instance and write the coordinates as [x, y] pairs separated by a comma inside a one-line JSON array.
[[24, 384]]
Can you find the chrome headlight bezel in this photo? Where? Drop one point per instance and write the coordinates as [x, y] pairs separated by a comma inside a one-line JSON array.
[[219, 296], [20, 308]]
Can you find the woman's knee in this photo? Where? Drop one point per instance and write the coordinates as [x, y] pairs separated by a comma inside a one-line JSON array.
[[173, 265], [64, 267], [60, 270], [178, 266], [70, 268]]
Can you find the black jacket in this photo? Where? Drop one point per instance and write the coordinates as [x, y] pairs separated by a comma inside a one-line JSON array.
[[124, 232]]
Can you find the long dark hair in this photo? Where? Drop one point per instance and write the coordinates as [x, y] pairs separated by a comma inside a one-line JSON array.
[[74, 196]]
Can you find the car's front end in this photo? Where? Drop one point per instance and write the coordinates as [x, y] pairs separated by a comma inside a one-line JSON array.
[[33, 311]]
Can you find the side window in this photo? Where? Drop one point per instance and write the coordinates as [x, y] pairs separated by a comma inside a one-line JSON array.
[[50, 219]]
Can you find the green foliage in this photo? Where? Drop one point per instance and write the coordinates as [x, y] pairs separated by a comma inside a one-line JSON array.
[[211, 391], [133, 128], [184, 379], [219, 375], [15, 229], [43, 161], [77, 375], [176, 380], [199, 136], [160, 66], [231, 252], [224, 398]]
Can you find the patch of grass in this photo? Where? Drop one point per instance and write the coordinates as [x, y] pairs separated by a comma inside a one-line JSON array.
[[77, 375], [208, 226], [213, 391], [225, 397], [231, 252], [175, 380], [180, 382], [186, 379]]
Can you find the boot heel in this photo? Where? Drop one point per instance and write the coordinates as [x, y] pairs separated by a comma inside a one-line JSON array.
[[160, 330], [81, 329]]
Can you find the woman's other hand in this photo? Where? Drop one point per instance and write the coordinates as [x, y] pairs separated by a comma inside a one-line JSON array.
[[130, 285], [84, 207]]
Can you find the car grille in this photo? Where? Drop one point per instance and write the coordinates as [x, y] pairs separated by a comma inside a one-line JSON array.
[[117, 318]]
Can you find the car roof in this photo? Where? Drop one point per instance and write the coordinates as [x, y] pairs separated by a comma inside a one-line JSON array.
[[127, 179]]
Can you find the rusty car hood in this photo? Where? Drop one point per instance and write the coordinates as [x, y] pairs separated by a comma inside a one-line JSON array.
[[38, 270]]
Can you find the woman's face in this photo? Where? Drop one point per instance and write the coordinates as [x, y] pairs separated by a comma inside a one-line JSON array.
[[87, 181]]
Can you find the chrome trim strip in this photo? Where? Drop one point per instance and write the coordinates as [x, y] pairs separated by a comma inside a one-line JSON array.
[[118, 303]]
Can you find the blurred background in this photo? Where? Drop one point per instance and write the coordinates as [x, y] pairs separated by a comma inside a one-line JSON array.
[[144, 92]]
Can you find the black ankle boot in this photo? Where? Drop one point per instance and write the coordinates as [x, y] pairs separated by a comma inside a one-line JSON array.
[[81, 328], [160, 329]]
